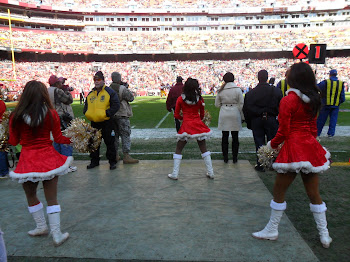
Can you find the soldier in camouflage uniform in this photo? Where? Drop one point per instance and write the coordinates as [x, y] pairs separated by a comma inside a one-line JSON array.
[[121, 118]]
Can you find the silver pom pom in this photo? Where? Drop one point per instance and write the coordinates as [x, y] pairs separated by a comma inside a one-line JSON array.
[[84, 137], [267, 156]]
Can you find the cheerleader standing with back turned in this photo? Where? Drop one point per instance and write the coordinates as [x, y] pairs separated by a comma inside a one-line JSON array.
[[191, 104], [30, 125], [300, 153]]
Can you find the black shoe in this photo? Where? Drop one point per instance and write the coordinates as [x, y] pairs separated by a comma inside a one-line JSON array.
[[259, 168], [92, 165], [113, 166], [234, 161]]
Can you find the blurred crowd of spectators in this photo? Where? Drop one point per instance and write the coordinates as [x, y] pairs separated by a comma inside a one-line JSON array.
[[336, 37], [146, 78], [174, 3]]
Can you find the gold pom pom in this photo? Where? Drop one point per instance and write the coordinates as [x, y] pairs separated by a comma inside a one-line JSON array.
[[267, 156], [207, 118], [84, 137], [4, 131]]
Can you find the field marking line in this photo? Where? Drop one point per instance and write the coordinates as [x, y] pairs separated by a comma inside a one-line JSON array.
[[162, 120], [340, 164], [165, 153]]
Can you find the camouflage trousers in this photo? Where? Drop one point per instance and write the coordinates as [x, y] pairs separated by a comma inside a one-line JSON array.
[[122, 130]]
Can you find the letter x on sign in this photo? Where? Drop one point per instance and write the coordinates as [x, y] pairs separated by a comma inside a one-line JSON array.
[[300, 51]]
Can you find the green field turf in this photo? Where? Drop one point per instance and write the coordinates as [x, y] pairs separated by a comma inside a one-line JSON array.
[[149, 111]]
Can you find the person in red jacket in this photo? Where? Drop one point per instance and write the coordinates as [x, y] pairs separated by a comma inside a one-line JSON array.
[[174, 93], [191, 104], [300, 151], [30, 125], [4, 170]]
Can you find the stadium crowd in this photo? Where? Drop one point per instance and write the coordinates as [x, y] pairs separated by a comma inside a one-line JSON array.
[[146, 78], [173, 3], [95, 42]]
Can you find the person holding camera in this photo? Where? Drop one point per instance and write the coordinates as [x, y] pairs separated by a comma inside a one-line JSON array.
[[61, 98], [260, 110]]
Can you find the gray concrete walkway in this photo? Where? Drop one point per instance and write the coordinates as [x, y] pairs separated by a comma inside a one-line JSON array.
[[136, 213]]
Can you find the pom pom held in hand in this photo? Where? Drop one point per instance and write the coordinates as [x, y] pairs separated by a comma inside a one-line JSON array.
[[84, 137], [4, 131], [267, 156], [207, 118]]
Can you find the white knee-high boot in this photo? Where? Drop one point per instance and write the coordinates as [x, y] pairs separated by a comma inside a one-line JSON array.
[[208, 164], [53, 213], [270, 232], [319, 212], [37, 212], [177, 161]]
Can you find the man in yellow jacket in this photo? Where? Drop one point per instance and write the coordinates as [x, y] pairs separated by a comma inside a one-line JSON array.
[[100, 106]]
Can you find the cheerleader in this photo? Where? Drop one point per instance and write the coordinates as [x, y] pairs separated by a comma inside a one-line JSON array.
[[300, 152], [191, 104], [30, 125]]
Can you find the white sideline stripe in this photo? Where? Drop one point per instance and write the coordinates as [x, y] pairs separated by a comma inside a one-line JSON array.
[[167, 153], [162, 120], [163, 153]]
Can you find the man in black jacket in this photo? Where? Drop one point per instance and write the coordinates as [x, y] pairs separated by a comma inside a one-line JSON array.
[[261, 110]]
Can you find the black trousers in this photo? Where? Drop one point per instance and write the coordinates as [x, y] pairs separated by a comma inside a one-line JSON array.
[[263, 130], [106, 128], [235, 144], [177, 122]]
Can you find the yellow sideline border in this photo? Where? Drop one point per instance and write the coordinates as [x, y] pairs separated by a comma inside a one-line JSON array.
[[12, 51], [340, 164]]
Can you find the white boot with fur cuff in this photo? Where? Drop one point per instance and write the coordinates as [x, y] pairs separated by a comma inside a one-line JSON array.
[[55, 225], [270, 232], [177, 161], [208, 164], [319, 212], [37, 212]]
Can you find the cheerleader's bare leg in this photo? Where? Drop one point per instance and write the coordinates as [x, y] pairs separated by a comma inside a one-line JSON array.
[[278, 205], [36, 208], [207, 159], [317, 207], [177, 159], [53, 211]]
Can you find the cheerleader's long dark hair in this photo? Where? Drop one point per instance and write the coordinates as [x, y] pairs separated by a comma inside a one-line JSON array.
[[191, 90], [34, 103], [302, 77]]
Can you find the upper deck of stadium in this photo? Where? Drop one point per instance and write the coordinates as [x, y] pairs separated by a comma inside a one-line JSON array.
[[173, 4]]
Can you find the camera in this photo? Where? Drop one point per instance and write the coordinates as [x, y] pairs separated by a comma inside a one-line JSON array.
[[67, 88]]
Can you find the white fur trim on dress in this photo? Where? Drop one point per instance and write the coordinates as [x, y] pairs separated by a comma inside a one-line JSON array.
[[36, 176], [303, 166], [36, 208], [303, 97], [177, 156], [53, 209], [185, 136], [206, 154], [318, 208], [278, 206], [190, 102]]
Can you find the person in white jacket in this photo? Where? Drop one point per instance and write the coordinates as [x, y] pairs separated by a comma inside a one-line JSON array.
[[230, 100]]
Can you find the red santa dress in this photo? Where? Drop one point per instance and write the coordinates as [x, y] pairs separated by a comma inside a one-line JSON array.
[[301, 152], [39, 160], [192, 115]]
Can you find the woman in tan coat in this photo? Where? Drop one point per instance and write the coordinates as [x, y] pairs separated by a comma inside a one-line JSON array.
[[230, 100]]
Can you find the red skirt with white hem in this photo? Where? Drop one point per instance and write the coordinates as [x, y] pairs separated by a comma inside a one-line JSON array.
[[40, 164]]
